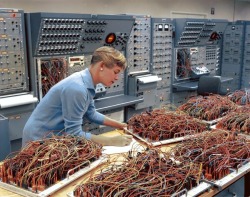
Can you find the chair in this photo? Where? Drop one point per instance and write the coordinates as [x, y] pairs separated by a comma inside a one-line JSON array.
[[208, 85]]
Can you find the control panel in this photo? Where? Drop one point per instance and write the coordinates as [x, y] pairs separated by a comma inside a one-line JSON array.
[[72, 38], [245, 80], [161, 58], [232, 53], [198, 45], [197, 51], [76, 34], [162, 46], [13, 62], [198, 32], [138, 47]]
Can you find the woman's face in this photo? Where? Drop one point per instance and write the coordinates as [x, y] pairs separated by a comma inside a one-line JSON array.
[[109, 75]]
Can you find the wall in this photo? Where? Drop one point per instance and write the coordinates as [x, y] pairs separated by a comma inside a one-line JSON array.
[[224, 9]]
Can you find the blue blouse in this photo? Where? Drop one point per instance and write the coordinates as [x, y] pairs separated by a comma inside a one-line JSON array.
[[62, 109]]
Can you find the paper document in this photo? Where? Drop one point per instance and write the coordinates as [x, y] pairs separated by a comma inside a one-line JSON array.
[[134, 146]]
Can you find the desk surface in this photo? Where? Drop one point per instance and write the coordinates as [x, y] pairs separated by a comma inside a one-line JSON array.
[[109, 103], [193, 85]]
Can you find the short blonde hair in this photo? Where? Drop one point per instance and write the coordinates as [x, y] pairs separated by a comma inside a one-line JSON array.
[[110, 56]]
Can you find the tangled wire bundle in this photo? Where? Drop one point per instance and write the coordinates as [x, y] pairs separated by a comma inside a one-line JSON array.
[[238, 121], [217, 151], [150, 173], [161, 124], [52, 71], [240, 97], [208, 107], [41, 164]]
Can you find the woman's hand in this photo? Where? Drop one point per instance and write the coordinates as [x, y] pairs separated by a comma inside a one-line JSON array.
[[114, 123], [124, 125]]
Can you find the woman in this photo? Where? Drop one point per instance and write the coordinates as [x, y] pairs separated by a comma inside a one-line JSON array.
[[62, 109]]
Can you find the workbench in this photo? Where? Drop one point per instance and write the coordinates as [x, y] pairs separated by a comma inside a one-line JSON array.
[[70, 187]]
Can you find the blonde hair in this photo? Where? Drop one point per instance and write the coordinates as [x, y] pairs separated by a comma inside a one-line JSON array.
[[110, 56]]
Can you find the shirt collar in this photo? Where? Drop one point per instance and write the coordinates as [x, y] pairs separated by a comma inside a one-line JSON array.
[[88, 81]]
